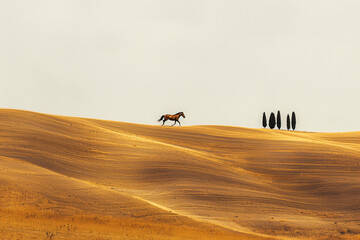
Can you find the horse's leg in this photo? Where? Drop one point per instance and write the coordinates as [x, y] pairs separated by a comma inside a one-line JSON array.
[[179, 122], [163, 122], [174, 123]]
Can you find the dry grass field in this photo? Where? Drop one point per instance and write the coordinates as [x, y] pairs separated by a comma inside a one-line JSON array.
[[76, 178]]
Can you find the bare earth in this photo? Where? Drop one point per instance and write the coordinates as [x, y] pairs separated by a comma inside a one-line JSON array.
[[76, 178]]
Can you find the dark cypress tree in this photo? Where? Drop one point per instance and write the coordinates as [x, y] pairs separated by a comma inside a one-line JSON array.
[[293, 120], [264, 120], [272, 122], [288, 122], [278, 120]]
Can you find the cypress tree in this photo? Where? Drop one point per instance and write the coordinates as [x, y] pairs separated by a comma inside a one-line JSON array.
[[288, 122], [264, 120], [293, 120], [278, 120], [272, 122]]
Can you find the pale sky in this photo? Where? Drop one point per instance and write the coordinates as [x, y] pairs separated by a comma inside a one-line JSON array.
[[220, 62]]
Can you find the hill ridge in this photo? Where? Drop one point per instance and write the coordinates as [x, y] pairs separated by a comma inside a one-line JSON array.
[[267, 182]]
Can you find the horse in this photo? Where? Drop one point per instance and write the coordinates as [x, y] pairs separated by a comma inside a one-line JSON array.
[[174, 117]]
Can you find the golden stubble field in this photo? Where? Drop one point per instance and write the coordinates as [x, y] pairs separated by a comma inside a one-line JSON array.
[[76, 178]]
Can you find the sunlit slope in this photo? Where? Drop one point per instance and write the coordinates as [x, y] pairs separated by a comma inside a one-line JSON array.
[[263, 182]]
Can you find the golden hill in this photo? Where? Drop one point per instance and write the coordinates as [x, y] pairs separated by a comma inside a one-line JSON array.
[[82, 178]]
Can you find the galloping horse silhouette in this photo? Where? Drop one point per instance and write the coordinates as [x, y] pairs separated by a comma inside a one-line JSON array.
[[174, 117]]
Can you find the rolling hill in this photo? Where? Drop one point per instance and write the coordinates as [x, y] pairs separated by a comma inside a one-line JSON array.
[[76, 178]]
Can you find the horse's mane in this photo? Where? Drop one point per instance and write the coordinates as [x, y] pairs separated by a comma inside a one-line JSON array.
[[178, 113]]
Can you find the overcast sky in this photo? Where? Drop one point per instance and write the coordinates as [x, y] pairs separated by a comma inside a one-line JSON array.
[[220, 62]]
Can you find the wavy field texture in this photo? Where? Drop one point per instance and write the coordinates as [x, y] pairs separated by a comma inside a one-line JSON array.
[[76, 178]]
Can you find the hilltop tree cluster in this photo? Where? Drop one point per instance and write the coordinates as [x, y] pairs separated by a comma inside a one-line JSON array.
[[290, 123]]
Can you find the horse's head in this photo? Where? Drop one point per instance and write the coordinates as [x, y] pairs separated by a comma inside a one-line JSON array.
[[180, 114]]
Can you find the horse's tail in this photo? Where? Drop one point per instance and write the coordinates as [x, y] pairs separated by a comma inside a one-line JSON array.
[[162, 117]]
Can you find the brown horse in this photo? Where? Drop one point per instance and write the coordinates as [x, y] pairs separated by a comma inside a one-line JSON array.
[[174, 117]]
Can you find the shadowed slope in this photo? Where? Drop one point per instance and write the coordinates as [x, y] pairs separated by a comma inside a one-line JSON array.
[[264, 182]]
